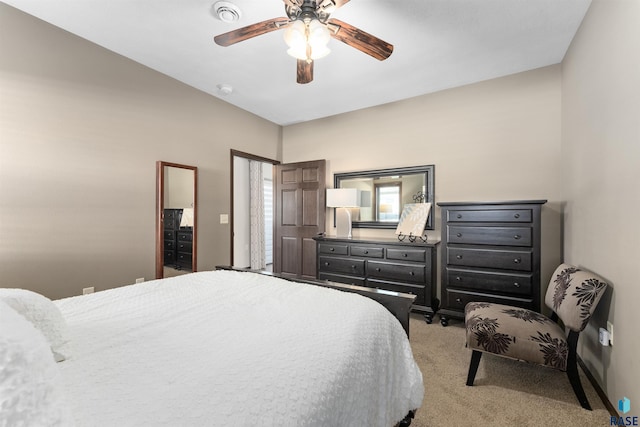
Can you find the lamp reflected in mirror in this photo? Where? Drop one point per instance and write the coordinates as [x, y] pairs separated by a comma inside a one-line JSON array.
[[176, 219]]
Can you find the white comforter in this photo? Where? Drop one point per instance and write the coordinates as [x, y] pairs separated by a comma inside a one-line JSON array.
[[227, 348]]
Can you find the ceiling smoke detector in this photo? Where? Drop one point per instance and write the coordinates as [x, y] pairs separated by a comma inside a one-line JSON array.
[[224, 89], [226, 12]]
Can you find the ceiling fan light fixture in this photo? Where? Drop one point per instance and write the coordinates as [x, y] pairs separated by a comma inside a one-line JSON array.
[[307, 41], [226, 11]]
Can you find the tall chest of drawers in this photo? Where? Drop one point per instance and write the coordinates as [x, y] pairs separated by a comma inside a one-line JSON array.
[[491, 253], [383, 264], [178, 241]]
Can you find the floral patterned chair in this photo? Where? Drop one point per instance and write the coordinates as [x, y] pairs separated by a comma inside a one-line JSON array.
[[526, 335]]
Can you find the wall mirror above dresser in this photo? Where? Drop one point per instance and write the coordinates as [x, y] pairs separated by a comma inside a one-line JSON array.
[[384, 192], [176, 218]]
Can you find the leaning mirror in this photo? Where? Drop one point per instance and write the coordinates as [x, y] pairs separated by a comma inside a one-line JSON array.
[[384, 192], [176, 219]]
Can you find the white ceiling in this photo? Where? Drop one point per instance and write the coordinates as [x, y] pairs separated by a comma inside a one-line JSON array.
[[438, 44]]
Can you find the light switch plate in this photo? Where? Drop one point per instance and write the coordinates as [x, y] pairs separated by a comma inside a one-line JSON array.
[[224, 218]]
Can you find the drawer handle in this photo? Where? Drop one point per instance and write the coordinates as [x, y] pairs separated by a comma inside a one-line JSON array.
[[405, 255], [458, 256], [411, 273], [458, 216], [353, 266], [516, 216], [459, 301], [516, 284], [332, 249], [366, 252], [377, 268], [458, 279], [517, 237], [326, 263], [459, 235], [517, 260]]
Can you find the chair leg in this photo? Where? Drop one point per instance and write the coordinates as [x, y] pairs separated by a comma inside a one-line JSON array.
[[473, 366], [572, 371]]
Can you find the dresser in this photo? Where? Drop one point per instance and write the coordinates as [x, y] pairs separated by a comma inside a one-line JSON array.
[[178, 241], [491, 253], [385, 264]]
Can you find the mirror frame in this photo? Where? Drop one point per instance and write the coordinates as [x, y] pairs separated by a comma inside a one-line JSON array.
[[160, 216], [429, 174]]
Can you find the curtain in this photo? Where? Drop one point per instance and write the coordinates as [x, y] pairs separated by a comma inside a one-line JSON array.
[[256, 208]]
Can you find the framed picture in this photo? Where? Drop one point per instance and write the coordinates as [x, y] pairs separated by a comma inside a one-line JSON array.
[[413, 219]]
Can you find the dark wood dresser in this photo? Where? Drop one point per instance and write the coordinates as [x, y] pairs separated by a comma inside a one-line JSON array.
[[386, 264], [178, 241], [491, 252]]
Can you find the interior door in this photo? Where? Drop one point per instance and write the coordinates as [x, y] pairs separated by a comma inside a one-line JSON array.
[[300, 215]]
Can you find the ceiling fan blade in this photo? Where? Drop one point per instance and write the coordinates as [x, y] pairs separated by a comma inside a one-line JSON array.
[[304, 71], [244, 33], [364, 42]]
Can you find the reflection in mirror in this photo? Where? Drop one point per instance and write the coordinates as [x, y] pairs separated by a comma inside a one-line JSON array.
[[176, 213], [384, 193]]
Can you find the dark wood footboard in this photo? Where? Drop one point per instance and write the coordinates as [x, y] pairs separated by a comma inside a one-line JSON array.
[[399, 304], [406, 421]]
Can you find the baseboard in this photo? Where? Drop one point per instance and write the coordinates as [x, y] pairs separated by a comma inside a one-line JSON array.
[[603, 396]]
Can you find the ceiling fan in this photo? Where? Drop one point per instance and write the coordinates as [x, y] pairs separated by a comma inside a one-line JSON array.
[[308, 30]]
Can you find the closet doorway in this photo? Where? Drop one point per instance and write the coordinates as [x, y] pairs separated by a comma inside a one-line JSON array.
[[252, 211]]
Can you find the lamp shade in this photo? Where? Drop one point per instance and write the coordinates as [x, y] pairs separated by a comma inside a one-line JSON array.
[[343, 198]]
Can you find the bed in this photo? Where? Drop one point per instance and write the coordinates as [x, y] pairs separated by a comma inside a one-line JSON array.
[[234, 348]]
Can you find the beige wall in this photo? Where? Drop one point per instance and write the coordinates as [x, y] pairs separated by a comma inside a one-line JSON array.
[[81, 129], [495, 140], [601, 164]]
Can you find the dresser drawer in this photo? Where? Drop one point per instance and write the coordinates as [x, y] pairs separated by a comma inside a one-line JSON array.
[[184, 247], [417, 290], [490, 258], [185, 236], [489, 215], [516, 284], [340, 278], [399, 272], [341, 265], [183, 260], [366, 251], [325, 248], [418, 255], [510, 236], [457, 300]]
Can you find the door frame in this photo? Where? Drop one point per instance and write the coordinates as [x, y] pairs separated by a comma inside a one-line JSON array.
[[248, 156]]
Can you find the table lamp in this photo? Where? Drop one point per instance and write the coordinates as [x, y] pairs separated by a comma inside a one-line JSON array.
[[343, 199]]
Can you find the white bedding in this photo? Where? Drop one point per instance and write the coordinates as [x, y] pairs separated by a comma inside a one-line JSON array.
[[230, 348]]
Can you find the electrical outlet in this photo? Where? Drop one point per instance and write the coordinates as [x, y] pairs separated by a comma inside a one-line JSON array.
[[610, 329], [88, 290], [140, 280]]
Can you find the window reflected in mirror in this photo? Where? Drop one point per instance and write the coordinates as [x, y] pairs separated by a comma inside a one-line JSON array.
[[388, 201]]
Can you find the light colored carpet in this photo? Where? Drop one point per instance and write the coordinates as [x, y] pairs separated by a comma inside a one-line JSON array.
[[505, 392]]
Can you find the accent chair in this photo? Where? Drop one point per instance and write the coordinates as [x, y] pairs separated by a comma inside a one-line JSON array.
[[529, 336]]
